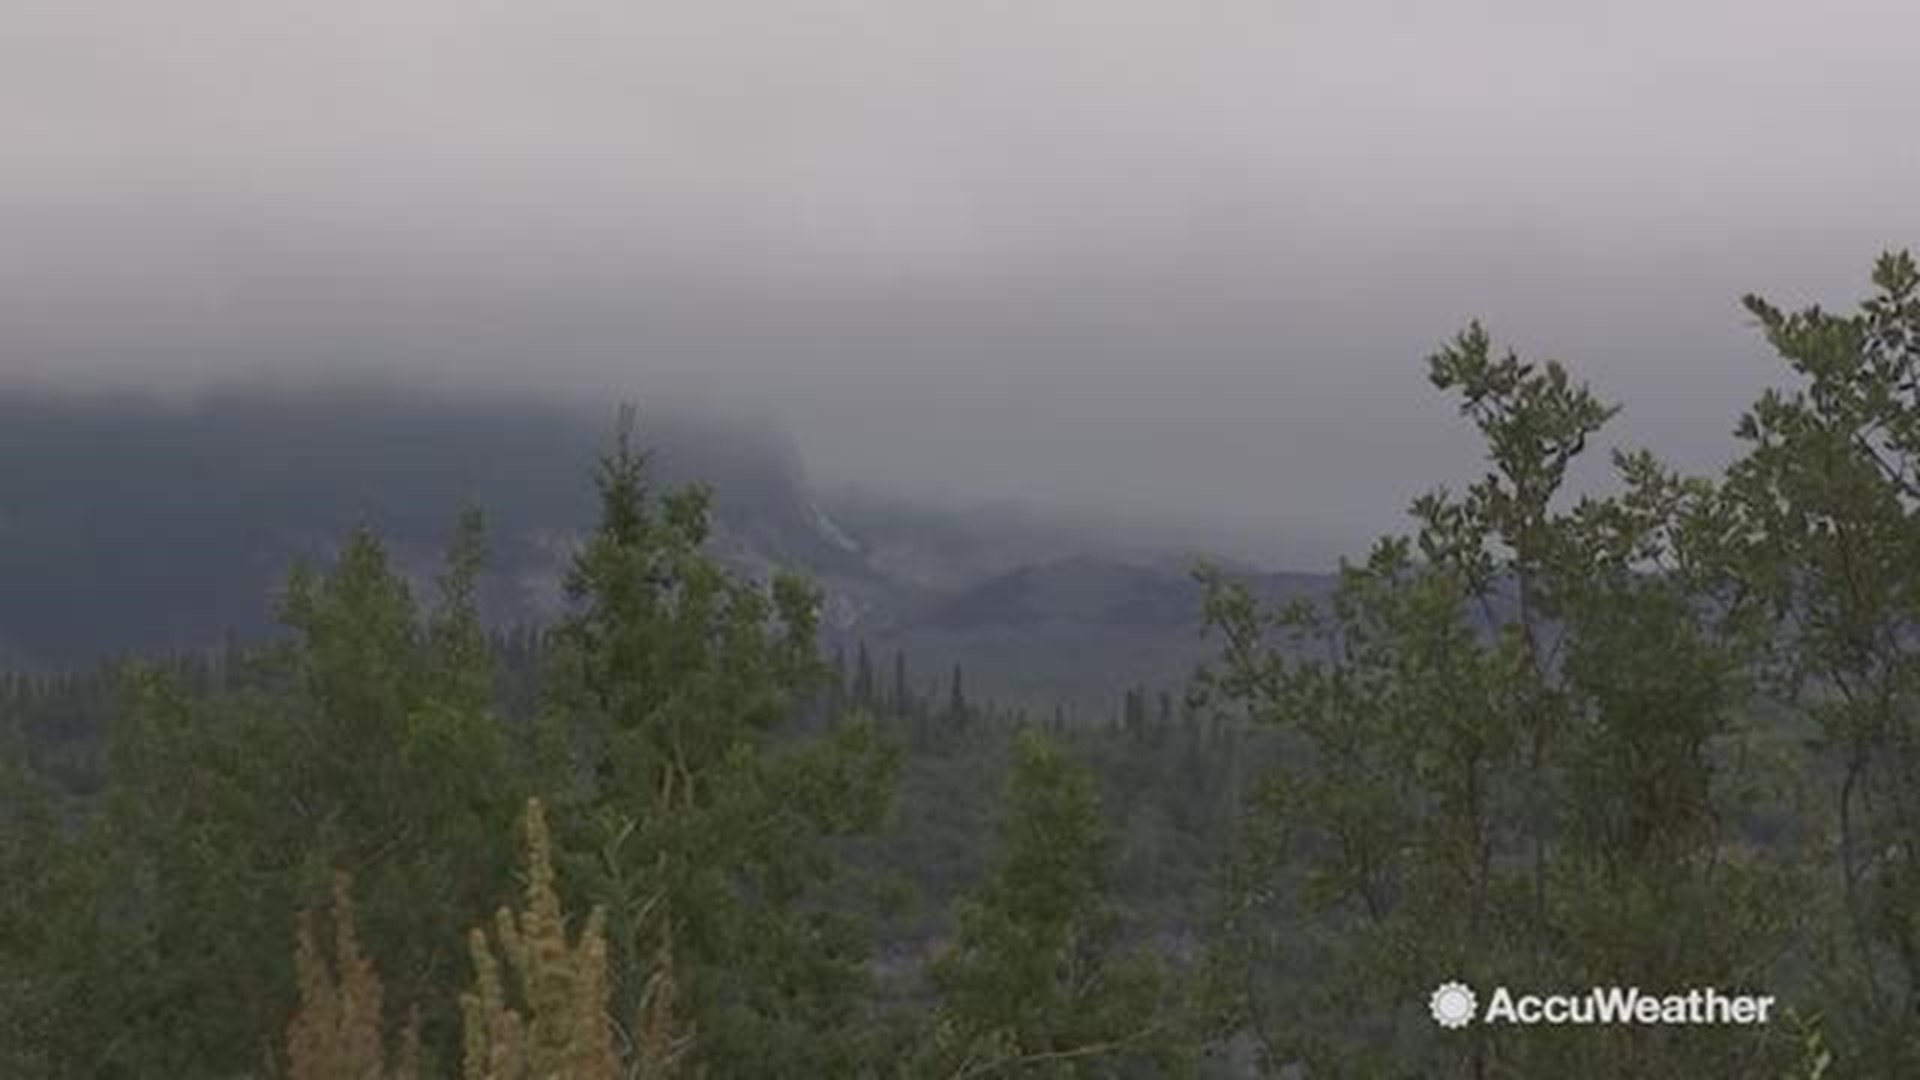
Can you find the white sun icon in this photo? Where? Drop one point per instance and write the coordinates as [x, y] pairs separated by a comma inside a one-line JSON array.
[[1452, 1005]]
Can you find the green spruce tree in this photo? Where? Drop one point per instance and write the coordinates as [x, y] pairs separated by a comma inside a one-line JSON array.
[[1036, 983], [704, 825]]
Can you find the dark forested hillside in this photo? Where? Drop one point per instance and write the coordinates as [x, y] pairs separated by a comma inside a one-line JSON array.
[[130, 525]]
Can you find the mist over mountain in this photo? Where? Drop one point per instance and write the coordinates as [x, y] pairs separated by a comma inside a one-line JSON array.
[[127, 524], [130, 525]]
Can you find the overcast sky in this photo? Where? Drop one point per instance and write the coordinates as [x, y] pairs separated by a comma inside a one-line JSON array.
[[1179, 258]]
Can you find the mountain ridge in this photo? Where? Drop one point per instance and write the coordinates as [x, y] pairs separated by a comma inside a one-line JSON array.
[[130, 526]]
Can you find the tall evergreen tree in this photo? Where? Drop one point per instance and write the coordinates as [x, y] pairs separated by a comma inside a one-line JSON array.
[[837, 686], [958, 711], [863, 685], [705, 832], [1034, 983], [902, 700]]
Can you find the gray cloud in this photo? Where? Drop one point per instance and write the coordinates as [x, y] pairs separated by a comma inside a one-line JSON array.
[[1167, 259]]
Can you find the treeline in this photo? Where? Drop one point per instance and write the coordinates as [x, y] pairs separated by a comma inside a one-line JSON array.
[[1167, 780], [1663, 736]]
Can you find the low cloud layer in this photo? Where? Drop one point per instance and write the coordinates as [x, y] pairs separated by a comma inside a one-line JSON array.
[[1174, 260]]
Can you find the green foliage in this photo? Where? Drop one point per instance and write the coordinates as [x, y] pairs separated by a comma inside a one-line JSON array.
[[363, 745], [1828, 512], [403, 772], [43, 931], [706, 836], [1510, 734], [1032, 985]]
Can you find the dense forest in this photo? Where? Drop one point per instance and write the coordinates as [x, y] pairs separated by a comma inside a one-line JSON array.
[[1660, 732]]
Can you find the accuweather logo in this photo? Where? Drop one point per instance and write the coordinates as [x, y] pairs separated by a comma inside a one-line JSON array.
[[1454, 1005]]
